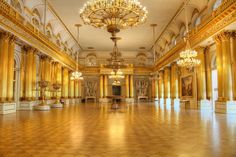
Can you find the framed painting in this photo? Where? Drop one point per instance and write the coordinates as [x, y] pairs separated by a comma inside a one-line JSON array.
[[187, 86]]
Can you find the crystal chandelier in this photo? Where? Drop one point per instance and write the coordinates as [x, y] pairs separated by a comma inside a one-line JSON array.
[[115, 62], [113, 14], [77, 75], [188, 56], [116, 75]]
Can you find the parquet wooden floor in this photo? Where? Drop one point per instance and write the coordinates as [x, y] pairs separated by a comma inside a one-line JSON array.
[[145, 130]]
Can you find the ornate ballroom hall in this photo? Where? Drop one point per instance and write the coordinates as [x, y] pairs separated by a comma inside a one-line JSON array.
[[117, 78]]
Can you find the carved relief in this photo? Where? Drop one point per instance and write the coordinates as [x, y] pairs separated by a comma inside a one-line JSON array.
[[91, 88], [142, 87]]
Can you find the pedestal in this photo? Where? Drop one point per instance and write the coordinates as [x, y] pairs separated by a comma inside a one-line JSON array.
[[228, 107], [66, 101], [176, 103], [129, 100], [57, 105], [78, 100], [161, 101], [205, 105], [72, 101], [42, 108], [6, 108], [104, 100], [26, 105]]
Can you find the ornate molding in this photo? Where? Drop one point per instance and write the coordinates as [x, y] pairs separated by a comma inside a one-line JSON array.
[[222, 17], [13, 22]]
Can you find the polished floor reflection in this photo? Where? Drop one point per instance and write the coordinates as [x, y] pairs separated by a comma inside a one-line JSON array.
[[144, 130]]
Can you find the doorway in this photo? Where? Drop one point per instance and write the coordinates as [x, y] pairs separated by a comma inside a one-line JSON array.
[[116, 90]]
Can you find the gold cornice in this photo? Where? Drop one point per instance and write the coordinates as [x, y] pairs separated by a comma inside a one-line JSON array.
[[219, 19], [12, 21]]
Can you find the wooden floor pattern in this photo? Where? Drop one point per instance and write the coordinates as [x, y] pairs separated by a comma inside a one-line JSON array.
[[90, 130]]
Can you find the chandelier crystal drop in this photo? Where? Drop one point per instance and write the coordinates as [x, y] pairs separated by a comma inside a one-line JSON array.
[[113, 15]]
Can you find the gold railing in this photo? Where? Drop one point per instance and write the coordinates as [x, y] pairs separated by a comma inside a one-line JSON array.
[[11, 14], [206, 29]]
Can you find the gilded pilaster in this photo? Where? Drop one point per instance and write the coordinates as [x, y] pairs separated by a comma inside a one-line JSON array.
[[131, 83], [161, 85], [156, 88], [127, 85], [233, 54], [30, 74], [167, 82], [201, 75], [101, 86], [208, 74], [105, 86], [219, 61], [227, 73], [174, 81], [4, 44], [65, 80], [10, 73]]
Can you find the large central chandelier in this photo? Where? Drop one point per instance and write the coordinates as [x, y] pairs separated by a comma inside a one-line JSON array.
[[188, 57], [113, 14]]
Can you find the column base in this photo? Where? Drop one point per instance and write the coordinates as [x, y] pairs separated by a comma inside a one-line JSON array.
[[72, 101], [205, 105], [129, 100], [176, 103], [26, 105], [78, 100], [228, 107], [104, 100], [57, 105], [66, 101], [168, 101], [42, 108], [161, 101], [6, 108], [50, 101]]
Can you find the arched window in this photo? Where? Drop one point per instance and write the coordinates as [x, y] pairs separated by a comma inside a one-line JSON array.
[[198, 21], [17, 5], [35, 22], [217, 4]]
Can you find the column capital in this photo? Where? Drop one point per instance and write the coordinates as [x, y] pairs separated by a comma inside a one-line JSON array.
[[225, 36]]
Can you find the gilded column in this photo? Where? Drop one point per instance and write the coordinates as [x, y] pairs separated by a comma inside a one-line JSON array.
[[224, 104], [10, 76], [4, 44], [131, 83], [156, 89], [219, 61], [174, 81], [233, 53], [101, 86], [227, 73], [69, 85], [167, 85], [127, 85], [79, 88], [201, 75], [30, 74], [105, 86], [203, 103], [161, 86], [208, 74], [65, 80]]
